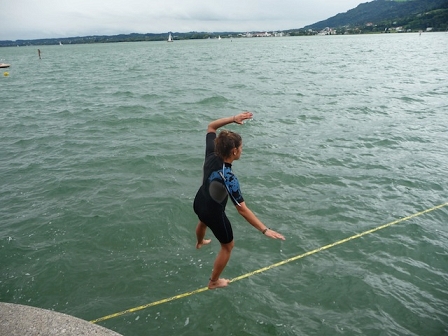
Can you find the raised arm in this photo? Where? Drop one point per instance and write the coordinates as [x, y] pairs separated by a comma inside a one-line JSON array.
[[253, 220], [218, 123]]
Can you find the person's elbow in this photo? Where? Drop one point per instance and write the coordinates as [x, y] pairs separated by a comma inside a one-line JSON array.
[[211, 129], [242, 209]]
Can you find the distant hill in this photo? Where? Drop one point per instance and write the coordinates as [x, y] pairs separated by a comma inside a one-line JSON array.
[[381, 11], [134, 37]]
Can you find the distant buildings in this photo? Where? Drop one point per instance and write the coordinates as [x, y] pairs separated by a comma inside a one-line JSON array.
[[260, 34], [328, 31]]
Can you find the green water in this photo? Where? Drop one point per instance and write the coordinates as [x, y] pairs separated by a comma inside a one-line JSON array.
[[101, 155]]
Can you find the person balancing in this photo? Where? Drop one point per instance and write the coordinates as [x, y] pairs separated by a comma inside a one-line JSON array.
[[218, 184]]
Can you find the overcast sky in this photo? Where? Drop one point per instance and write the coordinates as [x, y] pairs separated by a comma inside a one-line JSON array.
[[33, 19]]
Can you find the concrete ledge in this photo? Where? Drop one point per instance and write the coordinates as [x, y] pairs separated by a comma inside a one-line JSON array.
[[19, 320]]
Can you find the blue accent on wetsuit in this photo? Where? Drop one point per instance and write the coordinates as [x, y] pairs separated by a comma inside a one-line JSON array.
[[231, 183], [211, 198]]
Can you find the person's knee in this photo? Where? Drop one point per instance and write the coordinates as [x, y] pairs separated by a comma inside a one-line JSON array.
[[201, 226], [228, 247]]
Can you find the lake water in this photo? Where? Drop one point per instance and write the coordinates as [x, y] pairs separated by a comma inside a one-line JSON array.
[[101, 155]]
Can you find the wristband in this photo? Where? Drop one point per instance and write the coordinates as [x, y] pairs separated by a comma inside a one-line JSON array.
[[264, 231]]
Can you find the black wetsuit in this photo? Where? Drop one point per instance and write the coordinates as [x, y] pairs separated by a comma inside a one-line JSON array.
[[218, 182]]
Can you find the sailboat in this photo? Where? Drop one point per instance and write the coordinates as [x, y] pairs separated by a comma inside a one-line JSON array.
[[170, 39]]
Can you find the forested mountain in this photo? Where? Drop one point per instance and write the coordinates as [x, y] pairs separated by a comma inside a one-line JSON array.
[[414, 14]]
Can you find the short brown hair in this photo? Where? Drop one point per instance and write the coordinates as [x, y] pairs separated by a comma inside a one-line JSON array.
[[226, 142]]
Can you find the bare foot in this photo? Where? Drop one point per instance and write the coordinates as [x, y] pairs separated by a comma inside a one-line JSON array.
[[204, 242], [220, 283]]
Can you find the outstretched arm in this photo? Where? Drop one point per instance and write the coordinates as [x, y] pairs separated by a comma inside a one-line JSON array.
[[239, 118], [256, 223]]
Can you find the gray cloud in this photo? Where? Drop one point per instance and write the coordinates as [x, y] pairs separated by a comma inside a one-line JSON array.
[[30, 19]]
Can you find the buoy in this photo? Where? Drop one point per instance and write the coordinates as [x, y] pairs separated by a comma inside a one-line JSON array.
[[6, 74]]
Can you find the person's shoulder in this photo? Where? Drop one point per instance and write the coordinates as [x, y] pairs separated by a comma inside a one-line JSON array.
[[212, 157], [213, 161]]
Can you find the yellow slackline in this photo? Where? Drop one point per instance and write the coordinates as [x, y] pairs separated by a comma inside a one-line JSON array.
[[326, 247]]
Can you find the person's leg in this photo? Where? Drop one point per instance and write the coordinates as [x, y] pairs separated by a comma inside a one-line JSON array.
[[220, 263], [200, 234]]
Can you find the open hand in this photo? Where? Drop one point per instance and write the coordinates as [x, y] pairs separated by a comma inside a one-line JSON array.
[[239, 118], [274, 235]]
